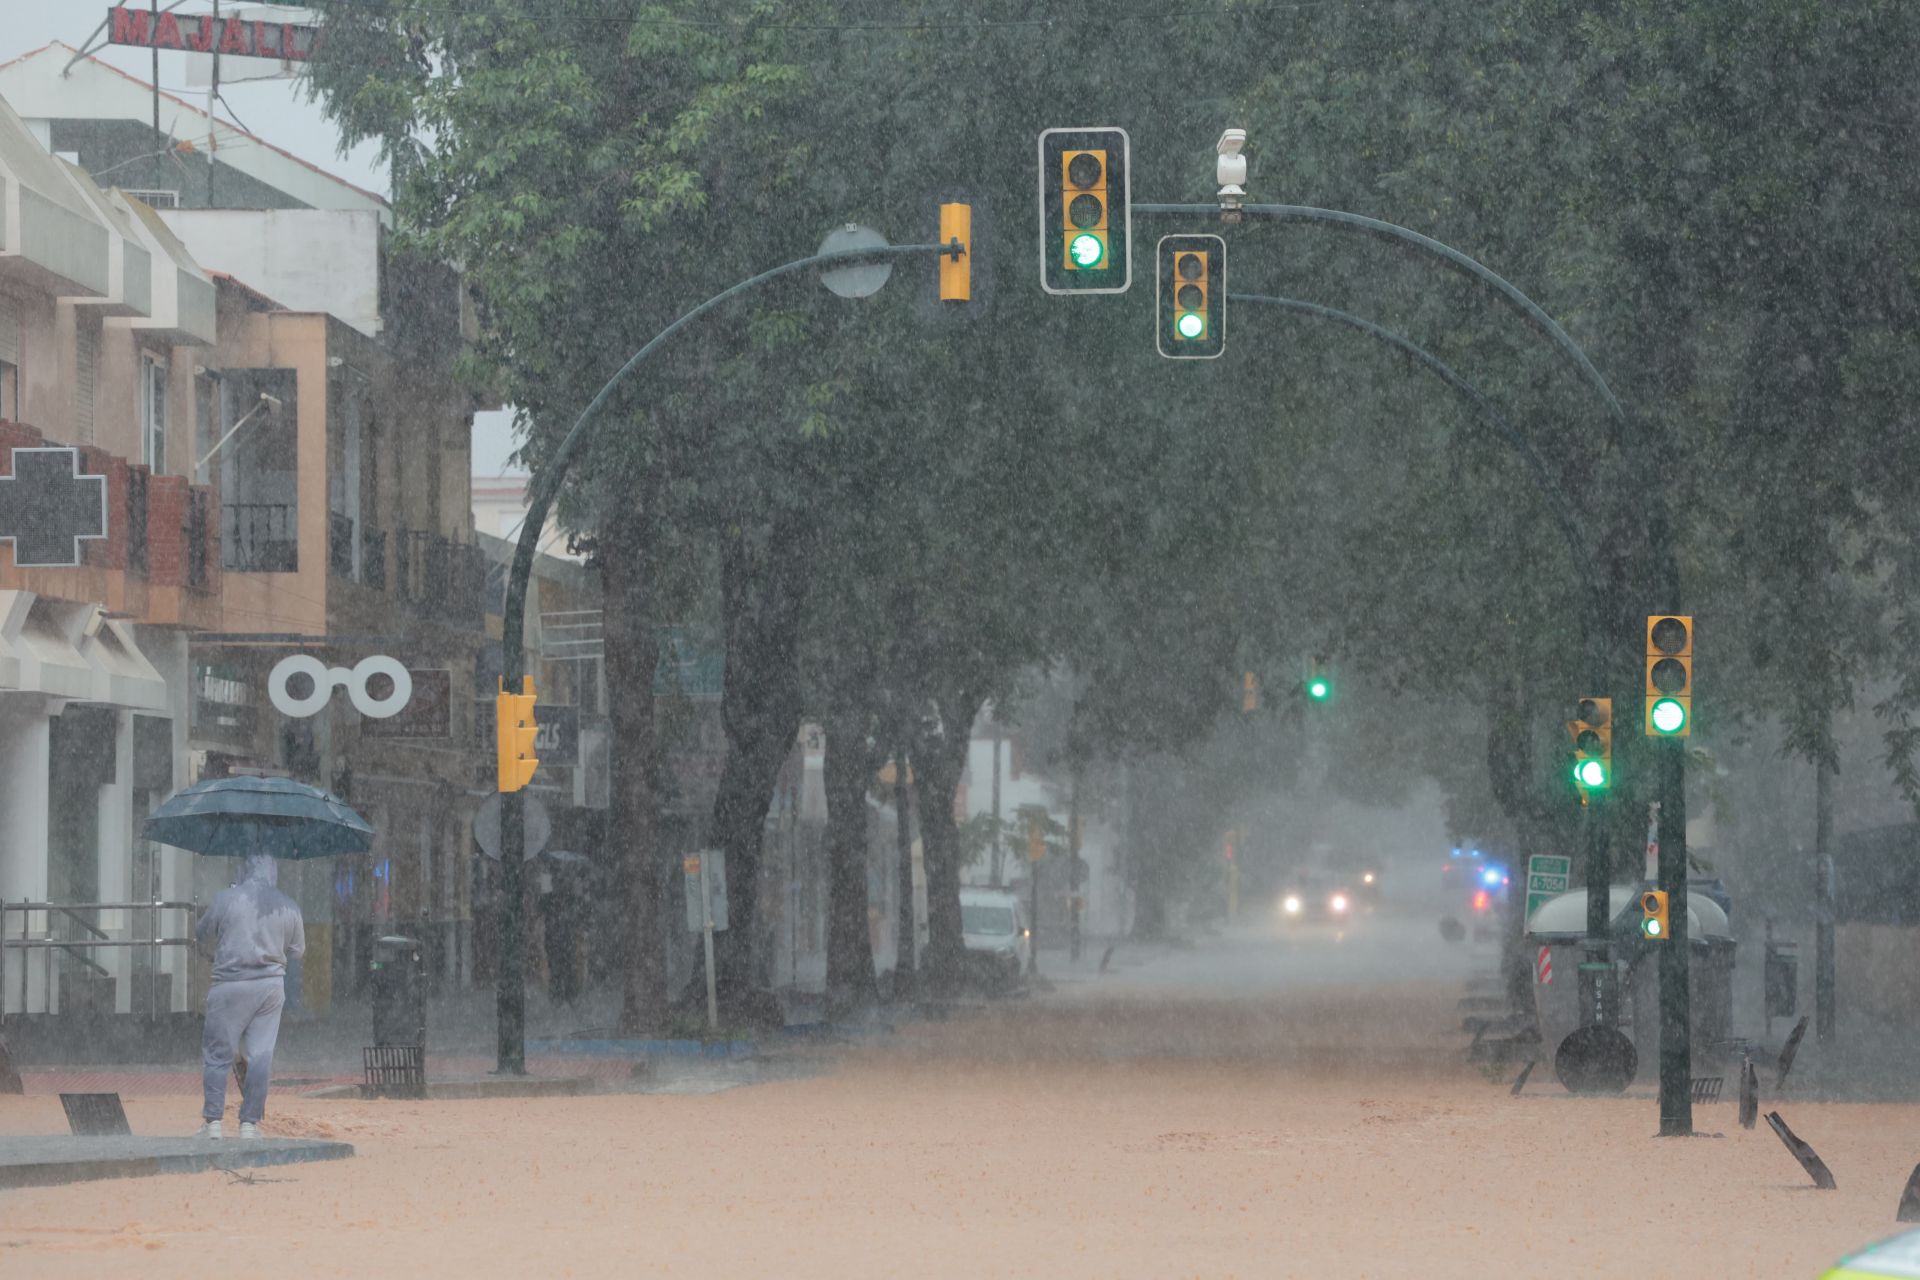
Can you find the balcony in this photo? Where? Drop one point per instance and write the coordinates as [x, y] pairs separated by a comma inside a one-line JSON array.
[[441, 579], [154, 565], [259, 537]]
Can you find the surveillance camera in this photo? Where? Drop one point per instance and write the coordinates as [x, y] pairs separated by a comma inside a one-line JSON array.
[[1230, 170]]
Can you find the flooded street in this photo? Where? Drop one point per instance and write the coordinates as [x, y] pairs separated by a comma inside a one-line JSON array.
[[1263, 1104]]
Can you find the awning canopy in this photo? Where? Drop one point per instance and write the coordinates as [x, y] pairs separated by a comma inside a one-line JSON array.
[[67, 650]]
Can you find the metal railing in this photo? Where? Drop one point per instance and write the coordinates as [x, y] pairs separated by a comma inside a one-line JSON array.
[[259, 537], [20, 945]]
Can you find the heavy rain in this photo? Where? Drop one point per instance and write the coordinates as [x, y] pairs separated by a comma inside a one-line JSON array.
[[839, 638]]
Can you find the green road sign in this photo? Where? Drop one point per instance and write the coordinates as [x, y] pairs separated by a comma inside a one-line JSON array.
[[1548, 876]]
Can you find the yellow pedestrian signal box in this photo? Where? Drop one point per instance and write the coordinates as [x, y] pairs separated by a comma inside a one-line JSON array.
[[1654, 924], [1190, 297], [515, 733], [1592, 734], [1669, 676], [1086, 242], [956, 270]]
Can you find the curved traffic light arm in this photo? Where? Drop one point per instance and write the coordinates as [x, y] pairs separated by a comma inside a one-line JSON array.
[[510, 997], [1494, 420]]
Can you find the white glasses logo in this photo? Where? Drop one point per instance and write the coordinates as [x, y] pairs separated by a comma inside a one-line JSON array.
[[324, 680]]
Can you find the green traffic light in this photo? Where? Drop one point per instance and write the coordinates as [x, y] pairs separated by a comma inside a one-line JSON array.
[[1669, 716], [1190, 324], [1650, 927], [1319, 690], [1086, 250], [1590, 773]]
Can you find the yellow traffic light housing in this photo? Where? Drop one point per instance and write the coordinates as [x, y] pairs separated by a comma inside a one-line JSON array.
[[515, 735], [1249, 693], [1036, 841], [1654, 924], [1085, 227], [1190, 296], [956, 270], [1669, 666], [1592, 733]]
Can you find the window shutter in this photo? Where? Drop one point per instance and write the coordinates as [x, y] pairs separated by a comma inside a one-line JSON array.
[[9, 330], [85, 348]]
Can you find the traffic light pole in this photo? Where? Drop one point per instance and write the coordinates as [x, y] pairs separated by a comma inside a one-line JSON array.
[[510, 991], [1676, 1049]]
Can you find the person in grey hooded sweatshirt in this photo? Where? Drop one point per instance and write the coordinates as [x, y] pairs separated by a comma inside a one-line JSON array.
[[252, 930]]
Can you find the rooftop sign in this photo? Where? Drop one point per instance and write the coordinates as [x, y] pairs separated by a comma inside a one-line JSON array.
[[204, 33]]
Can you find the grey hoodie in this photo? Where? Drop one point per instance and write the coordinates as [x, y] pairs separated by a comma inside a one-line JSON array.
[[252, 927]]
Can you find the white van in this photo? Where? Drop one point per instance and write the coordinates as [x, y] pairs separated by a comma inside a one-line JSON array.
[[994, 925]]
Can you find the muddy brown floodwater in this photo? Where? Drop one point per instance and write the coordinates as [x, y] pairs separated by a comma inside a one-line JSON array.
[[1159, 1136]]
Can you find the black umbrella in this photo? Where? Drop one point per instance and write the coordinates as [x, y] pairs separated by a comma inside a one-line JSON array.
[[233, 817]]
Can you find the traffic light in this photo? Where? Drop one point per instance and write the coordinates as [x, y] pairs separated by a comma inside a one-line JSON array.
[[1249, 692], [1318, 684], [1654, 925], [1036, 841], [515, 732], [1669, 676], [1592, 746], [1190, 297], [956, 271], [1086, 241]]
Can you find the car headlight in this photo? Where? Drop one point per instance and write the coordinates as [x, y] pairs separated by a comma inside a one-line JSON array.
[[1337, 903], [1291, 905]]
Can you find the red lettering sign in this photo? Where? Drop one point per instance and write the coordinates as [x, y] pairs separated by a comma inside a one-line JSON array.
[[234, 37], [167, 34], [130, 27]]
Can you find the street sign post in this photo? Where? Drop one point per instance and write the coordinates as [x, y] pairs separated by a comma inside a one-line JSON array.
[[1548, 876], [706, 873]]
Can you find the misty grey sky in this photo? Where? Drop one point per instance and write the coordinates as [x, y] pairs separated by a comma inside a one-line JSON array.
[[276, 110]]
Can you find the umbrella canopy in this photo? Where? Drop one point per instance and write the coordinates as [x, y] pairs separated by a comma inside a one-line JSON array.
[[233, 817]]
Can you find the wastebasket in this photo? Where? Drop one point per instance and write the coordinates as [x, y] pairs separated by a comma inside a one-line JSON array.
[[398, 978], [1782, 979]]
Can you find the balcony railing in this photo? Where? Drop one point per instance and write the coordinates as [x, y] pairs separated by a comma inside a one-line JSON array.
[[444, 580], [373, 557], [197, 528], [340, 544], [259, 537]]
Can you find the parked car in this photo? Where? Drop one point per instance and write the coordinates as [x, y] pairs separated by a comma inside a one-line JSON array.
[[993, 924]]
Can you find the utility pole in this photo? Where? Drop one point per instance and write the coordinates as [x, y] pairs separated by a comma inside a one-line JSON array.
[[1823, 958], [1676, 1013], [999, 851], [1073, 865], [904, 963]]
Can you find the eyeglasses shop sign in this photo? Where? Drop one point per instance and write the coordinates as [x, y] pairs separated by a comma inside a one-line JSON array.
[[558, 742]]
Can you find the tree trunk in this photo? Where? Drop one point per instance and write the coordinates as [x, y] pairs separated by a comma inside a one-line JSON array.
[[762, 584], [632, 654], [942, 763], [847, 769]]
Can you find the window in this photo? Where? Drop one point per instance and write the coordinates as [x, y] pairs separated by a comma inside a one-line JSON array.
[[154, 199], [153, 414], [9, 392]]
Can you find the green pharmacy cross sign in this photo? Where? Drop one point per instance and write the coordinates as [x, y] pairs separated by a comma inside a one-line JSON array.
[[48, 508]]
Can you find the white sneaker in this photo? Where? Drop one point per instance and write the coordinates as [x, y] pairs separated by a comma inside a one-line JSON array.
[[211, 1129], [248, 1129]]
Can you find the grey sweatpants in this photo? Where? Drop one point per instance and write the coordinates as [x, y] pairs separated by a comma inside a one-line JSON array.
[[241, 1015]]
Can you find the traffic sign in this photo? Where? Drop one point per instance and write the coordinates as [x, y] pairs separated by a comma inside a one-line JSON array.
[[1548, 876], [48, 507], [715, 866], [536, 826]]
